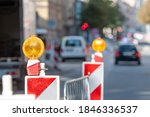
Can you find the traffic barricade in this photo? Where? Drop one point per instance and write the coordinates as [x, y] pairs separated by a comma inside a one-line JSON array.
[[44, 87], [96, 75], [77, 89], [95, 70]]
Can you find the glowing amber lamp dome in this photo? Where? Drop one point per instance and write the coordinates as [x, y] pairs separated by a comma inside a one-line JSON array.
[[33, 47], [99, 45]]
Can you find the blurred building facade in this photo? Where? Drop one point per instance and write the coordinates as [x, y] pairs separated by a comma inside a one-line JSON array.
[[55, 21], [42, 16], [69, 16], [42, 13], [57, 17]]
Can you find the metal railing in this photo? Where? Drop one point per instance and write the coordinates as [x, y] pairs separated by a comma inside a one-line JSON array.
[[77, 89]]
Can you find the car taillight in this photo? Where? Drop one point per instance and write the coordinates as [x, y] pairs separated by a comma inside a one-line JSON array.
[[117, 54], [137, 54]]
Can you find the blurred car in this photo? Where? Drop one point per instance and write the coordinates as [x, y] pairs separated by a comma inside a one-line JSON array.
[[73, 47], [127, 52]]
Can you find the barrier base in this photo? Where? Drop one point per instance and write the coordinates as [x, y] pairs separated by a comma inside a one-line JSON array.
[[43, 87]]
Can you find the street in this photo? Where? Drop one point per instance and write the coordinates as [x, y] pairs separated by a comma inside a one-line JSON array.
[[126, 81], [129, 81]]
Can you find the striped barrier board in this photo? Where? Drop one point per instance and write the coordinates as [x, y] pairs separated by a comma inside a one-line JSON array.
[[33, 67], [43, 87], [98, 57], [95, 71]]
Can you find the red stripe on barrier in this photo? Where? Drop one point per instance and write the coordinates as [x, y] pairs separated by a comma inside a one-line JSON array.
[[90, 68], [98, 58], [38, 85], [97, 94], [34, 69]]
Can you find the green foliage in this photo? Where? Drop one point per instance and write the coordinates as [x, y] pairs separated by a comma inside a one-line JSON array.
[[102, 13]]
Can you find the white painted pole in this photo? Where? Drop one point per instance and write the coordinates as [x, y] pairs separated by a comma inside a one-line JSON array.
[[7, 85], [42, 72]]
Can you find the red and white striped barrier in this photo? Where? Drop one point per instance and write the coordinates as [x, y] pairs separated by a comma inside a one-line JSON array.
[[95, 71], [44, 87], [37, 83], [33, 67], [97, 57]]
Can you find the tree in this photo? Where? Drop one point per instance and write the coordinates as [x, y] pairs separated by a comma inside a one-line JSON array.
[[102, 13], [144, 13]]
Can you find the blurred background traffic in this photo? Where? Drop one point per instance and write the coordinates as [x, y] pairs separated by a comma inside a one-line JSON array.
[[67, 28]]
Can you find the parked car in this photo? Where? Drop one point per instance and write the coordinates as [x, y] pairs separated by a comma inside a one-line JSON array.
[[127, 52], [73, 47]]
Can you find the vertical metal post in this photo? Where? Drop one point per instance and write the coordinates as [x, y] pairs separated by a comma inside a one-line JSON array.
[[21, 28]]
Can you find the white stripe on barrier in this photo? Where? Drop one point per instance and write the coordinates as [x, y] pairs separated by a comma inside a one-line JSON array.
[[53, 94], [96, 78], [32, 62], [98, 54]]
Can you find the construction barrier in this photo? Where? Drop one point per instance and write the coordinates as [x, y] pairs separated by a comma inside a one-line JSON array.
[[47, 87], [33, 67], [95, 71], [77, 89], [44, 87]]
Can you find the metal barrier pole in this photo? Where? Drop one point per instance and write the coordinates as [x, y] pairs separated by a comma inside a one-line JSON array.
[[95, 70]]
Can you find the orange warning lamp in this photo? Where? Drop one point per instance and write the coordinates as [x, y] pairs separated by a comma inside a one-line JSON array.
[[99, 45], [33, 47]]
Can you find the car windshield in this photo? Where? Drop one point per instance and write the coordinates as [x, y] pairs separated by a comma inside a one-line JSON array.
[[127, 48], [73, 43]]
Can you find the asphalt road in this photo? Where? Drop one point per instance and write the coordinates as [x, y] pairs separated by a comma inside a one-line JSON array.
[[126, 81]]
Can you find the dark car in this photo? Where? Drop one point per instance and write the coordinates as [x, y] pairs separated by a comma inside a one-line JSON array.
[[127, 53]]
